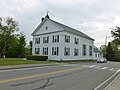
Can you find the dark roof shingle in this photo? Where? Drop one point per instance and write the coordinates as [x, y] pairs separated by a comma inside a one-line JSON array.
[[66, 28], [71, 30]]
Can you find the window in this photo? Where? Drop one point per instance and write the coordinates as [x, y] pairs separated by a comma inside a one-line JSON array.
[[84, 50], [46, 39], [55, 38], [37, 50], [46, 28], [67, 51], [90, 50], [55, 50], [76, 52], [67, 39], [94, 50], [76, 40], [45, 51], [96, 55], [43, 39], [37, 40]]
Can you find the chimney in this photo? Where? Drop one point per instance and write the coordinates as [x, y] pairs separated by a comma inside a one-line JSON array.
[[42, 19]]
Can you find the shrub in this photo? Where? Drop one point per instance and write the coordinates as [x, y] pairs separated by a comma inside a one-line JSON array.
[[36, 57]]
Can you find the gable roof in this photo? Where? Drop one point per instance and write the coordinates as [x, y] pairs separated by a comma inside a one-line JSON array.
[[38, 27], [72, 30], [66, 28]]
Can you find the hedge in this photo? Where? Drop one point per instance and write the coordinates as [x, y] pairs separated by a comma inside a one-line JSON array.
[[36, 57]]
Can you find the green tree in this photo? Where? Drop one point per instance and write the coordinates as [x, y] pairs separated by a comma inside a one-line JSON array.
[[116, 34], [103, 50], [29, 48], [116, 42], [7, 28], [21, 45], [30, 45], [12, 48], [110, 55], [116, 50]]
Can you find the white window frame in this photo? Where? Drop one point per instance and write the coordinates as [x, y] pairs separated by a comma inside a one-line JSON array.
[[76, 52], [84, 50], [45, 51], [55, 51], [67, 39], [46, 39], [90, 50], [55, 38], [66, 51], [37, 51], [76, 40], [37, 40]]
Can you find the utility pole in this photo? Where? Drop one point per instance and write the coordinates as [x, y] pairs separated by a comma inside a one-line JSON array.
[[105, 41], [105, 45]]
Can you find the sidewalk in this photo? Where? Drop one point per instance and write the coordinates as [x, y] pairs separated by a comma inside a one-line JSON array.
[[115, 84]]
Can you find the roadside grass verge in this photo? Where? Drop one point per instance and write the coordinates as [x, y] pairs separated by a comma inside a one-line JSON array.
[[20, 61]]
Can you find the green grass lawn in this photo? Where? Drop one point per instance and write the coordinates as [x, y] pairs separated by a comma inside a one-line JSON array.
[[20, 61]]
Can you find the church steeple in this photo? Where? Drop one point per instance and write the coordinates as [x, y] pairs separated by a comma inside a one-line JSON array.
[[47, 16]]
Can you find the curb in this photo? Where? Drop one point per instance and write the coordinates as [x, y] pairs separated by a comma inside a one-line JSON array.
[[25, 66], [109, 85], [107, 82]]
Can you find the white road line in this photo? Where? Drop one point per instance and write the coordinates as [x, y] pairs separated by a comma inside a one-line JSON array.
[[98, 67], [101, 67], [114, 69], [118, 70], [104, 68], [84, 65], [68, 65], [92, 66], [111, 82], [106, 81], [89, 66]]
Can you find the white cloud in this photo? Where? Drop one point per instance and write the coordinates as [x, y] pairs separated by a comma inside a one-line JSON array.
[[93, 17]]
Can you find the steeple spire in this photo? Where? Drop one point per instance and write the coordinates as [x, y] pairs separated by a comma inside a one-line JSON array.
[[47, 16]]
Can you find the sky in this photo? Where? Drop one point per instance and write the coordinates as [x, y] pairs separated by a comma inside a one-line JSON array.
[[92, 17]]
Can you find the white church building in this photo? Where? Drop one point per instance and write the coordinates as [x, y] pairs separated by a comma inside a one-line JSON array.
[[61, 42]]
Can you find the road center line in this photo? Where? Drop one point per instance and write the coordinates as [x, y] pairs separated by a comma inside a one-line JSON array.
[[37, 75]]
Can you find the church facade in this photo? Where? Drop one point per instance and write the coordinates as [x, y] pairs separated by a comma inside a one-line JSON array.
[[61, 42]]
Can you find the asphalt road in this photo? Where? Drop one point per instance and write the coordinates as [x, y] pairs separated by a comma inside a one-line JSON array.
[[81, 76]]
